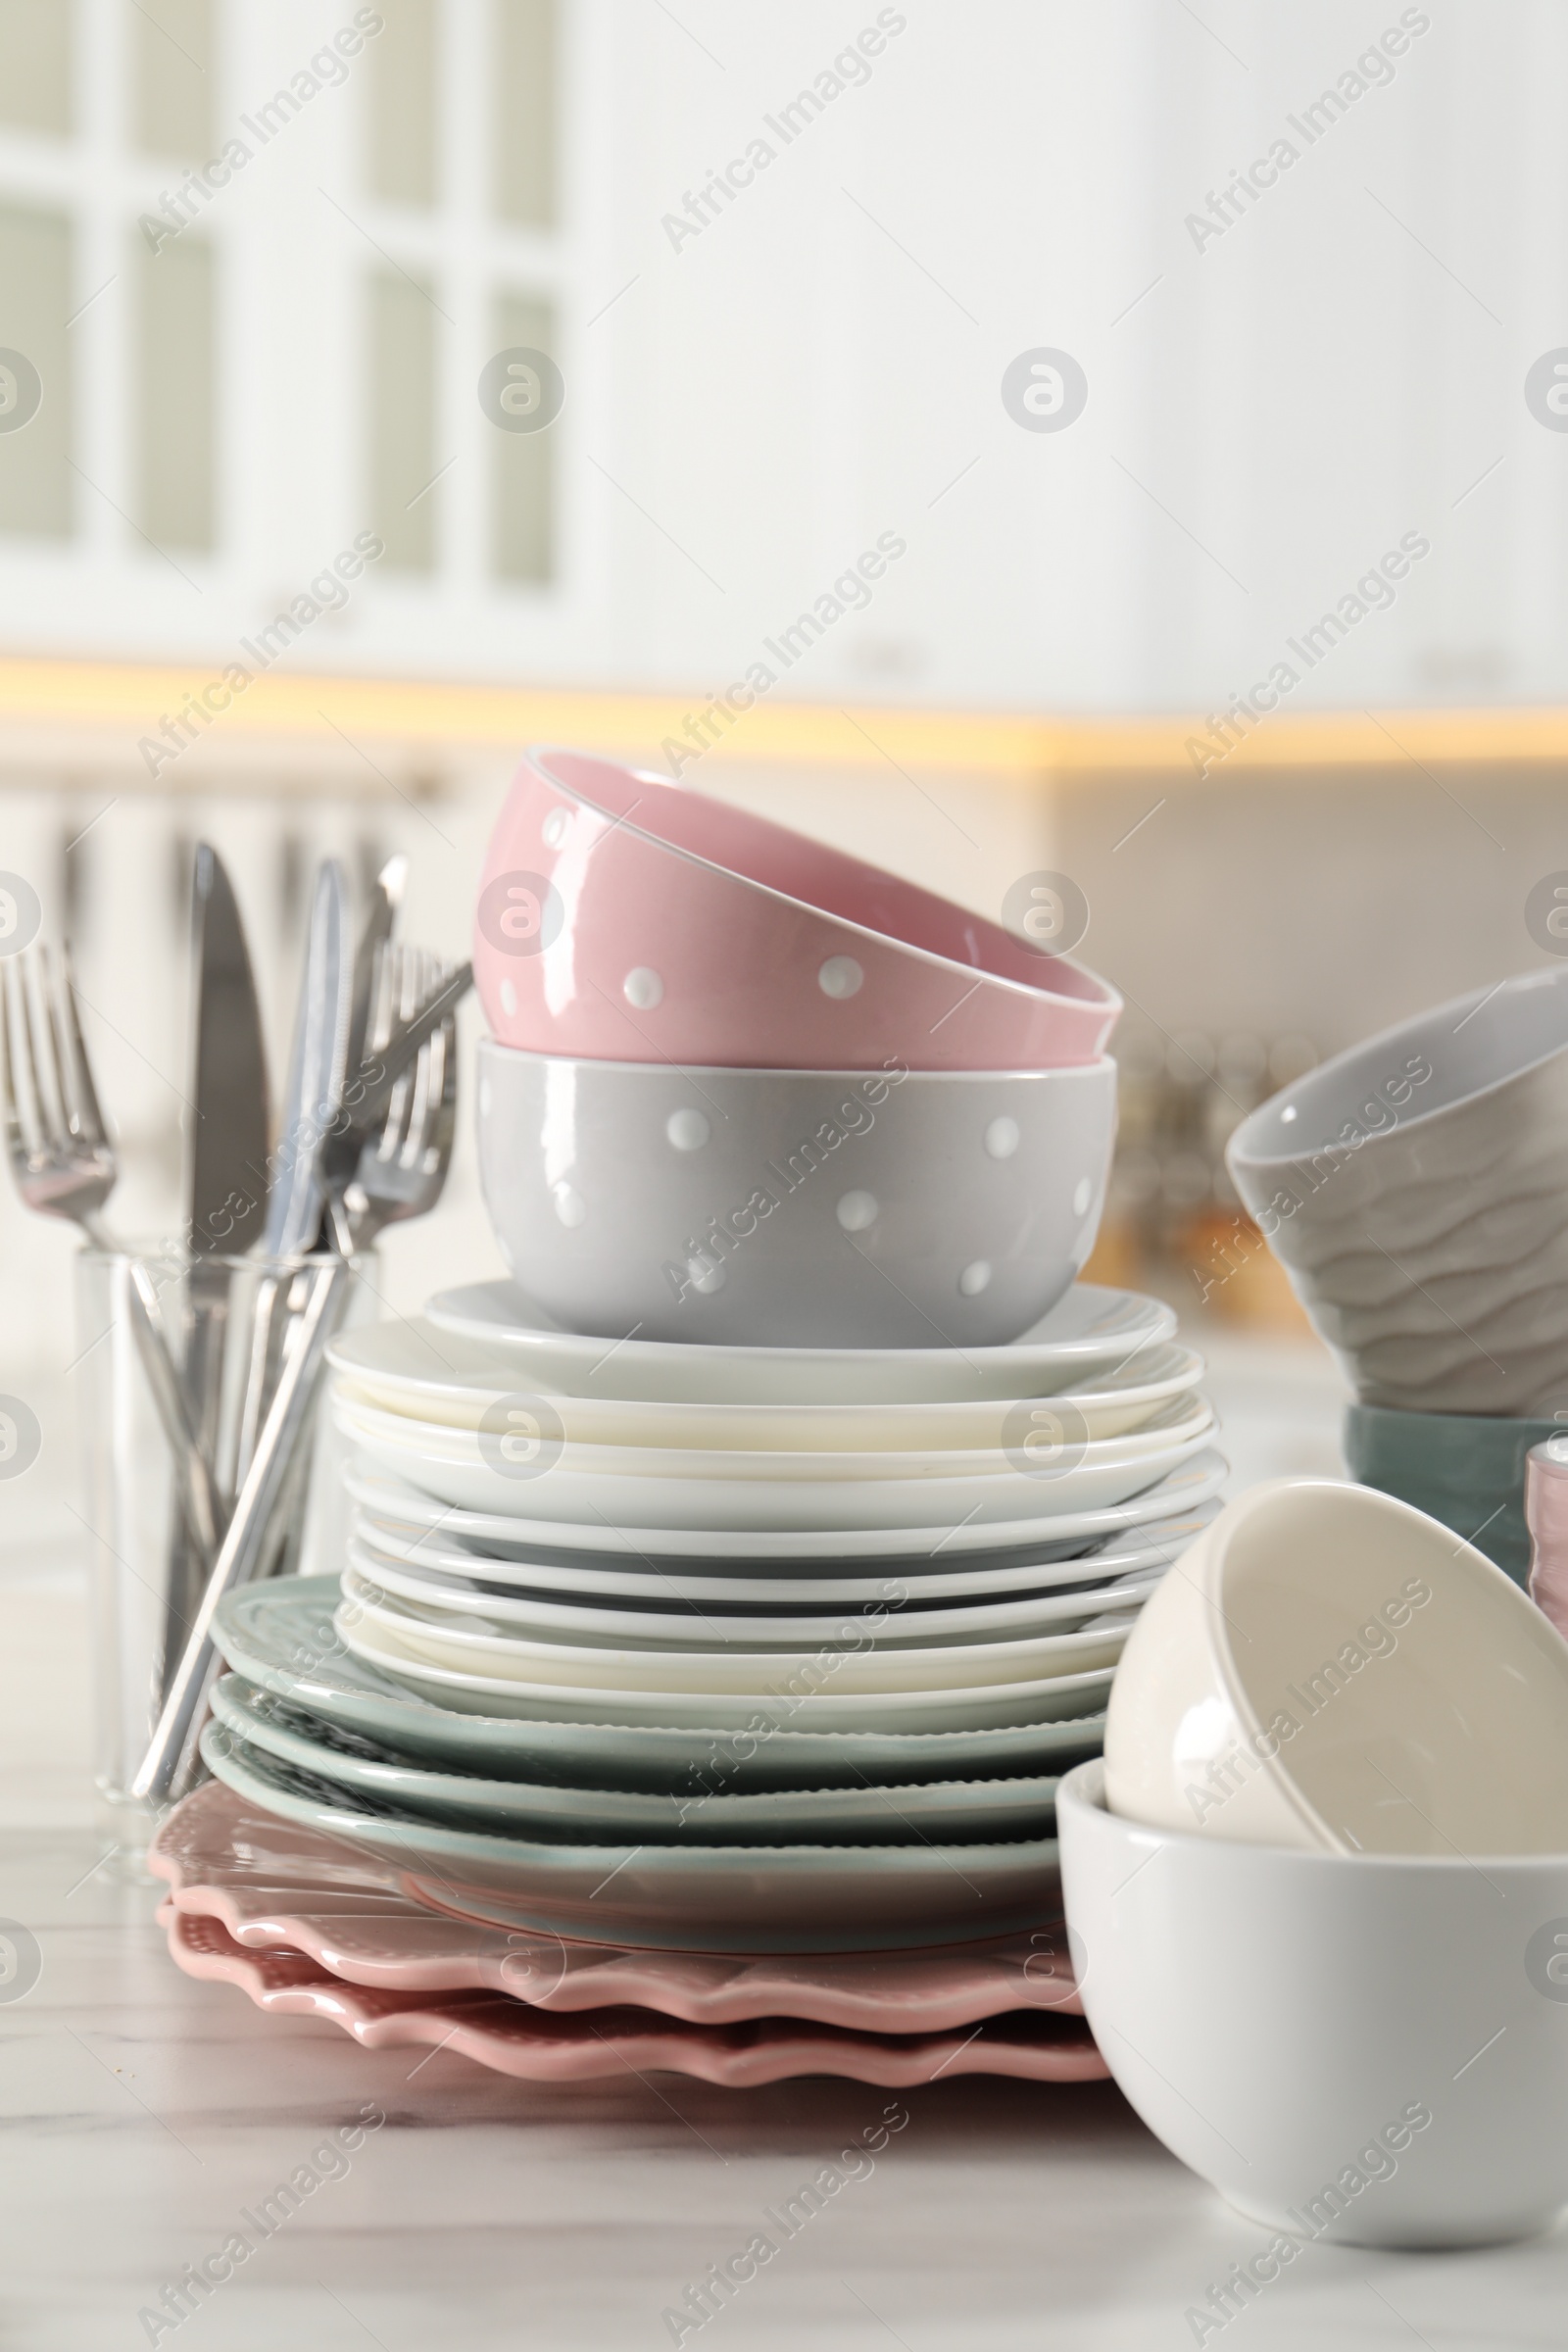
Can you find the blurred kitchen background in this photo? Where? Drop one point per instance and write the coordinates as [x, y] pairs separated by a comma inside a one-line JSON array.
[[255, 261]]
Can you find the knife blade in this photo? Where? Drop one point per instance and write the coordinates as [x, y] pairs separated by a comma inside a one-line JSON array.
[[227, 1186], [316, 1069], [379, 922]]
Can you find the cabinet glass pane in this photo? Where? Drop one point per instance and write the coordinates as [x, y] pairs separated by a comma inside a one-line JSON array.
[[35, 279], [403, 65], [401, 382], [175, 374], [36, 64], [522, 475], [175, 69], [524, 135]]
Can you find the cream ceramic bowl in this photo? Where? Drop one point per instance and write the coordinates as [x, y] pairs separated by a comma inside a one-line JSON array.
[[1332, 1670], [1412, 1189], [1368, 2048]]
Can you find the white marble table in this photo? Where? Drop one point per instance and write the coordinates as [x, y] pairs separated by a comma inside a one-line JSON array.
[[141, 2112]]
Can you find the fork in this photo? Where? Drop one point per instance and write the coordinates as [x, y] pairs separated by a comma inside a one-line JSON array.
[[379, 1179], [65, 1166]]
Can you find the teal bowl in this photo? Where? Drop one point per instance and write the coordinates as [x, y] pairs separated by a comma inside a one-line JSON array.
[[1466, 1469]]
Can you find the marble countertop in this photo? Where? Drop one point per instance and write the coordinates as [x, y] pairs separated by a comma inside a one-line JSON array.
[[141, 2114]]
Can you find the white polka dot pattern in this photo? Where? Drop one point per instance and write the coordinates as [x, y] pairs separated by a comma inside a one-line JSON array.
[[688, 1129], [840, 976], [643, 988]]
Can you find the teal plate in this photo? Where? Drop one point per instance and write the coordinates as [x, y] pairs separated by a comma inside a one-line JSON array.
[[280, 1635], [952, 1812], [687, 1897]]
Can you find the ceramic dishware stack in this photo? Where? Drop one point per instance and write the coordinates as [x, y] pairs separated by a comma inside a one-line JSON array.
[[1412, 1189], [735, 1583]]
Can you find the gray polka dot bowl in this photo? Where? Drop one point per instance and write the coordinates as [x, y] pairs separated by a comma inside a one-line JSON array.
[[884, 1208], [628, 918]]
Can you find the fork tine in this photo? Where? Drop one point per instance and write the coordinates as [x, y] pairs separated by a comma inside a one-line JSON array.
[[16, 1140], [37, 974], [87, 1121]]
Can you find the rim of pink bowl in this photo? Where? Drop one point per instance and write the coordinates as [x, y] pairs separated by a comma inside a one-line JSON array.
[[1083, 988]]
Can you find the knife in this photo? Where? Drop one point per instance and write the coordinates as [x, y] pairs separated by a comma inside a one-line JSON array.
[[379, 922], [315, 1071], [341, 1149], [226, 1194], [225, 1206]]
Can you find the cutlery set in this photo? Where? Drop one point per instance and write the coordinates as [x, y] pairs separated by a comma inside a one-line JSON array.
[[231, 1324]]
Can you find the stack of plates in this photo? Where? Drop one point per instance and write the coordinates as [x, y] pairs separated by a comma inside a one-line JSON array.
[[724, 1649]]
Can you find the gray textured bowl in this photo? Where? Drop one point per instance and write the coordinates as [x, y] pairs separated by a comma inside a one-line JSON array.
[[1414, 1191], [790, 1207]]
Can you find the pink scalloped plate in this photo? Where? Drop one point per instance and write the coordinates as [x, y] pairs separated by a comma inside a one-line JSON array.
[[266, 1886], [514, 2037]]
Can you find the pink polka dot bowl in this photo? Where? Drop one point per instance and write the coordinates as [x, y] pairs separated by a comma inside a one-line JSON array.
[[622, 917], [759, 1207]]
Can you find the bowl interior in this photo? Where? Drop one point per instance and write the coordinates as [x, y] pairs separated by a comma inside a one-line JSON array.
[[778, 858], [1475, 1043], [1418, 1701]]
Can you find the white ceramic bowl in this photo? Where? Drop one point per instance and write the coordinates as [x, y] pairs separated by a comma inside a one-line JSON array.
[[1369, 2048], [413, 1367], [1334, 1670], [1089, 1331], [793, 1208], [1412, 1189]]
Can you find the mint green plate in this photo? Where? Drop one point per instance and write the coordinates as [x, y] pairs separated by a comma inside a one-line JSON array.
[[953, 1812], [685, 1897], [280, 1635]]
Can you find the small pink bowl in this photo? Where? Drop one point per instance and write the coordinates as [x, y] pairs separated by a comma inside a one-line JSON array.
[[624, 918]]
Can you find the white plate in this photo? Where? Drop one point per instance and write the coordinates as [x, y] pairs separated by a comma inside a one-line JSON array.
[[280, 1635], [1089, 1328], [418, 1370], [451, 1464], [687, 1897], [393, 1503], [966, 1708], [874, 1815], [487, 1648], [1063, 1446], [884, 1616], [630, 1581]]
